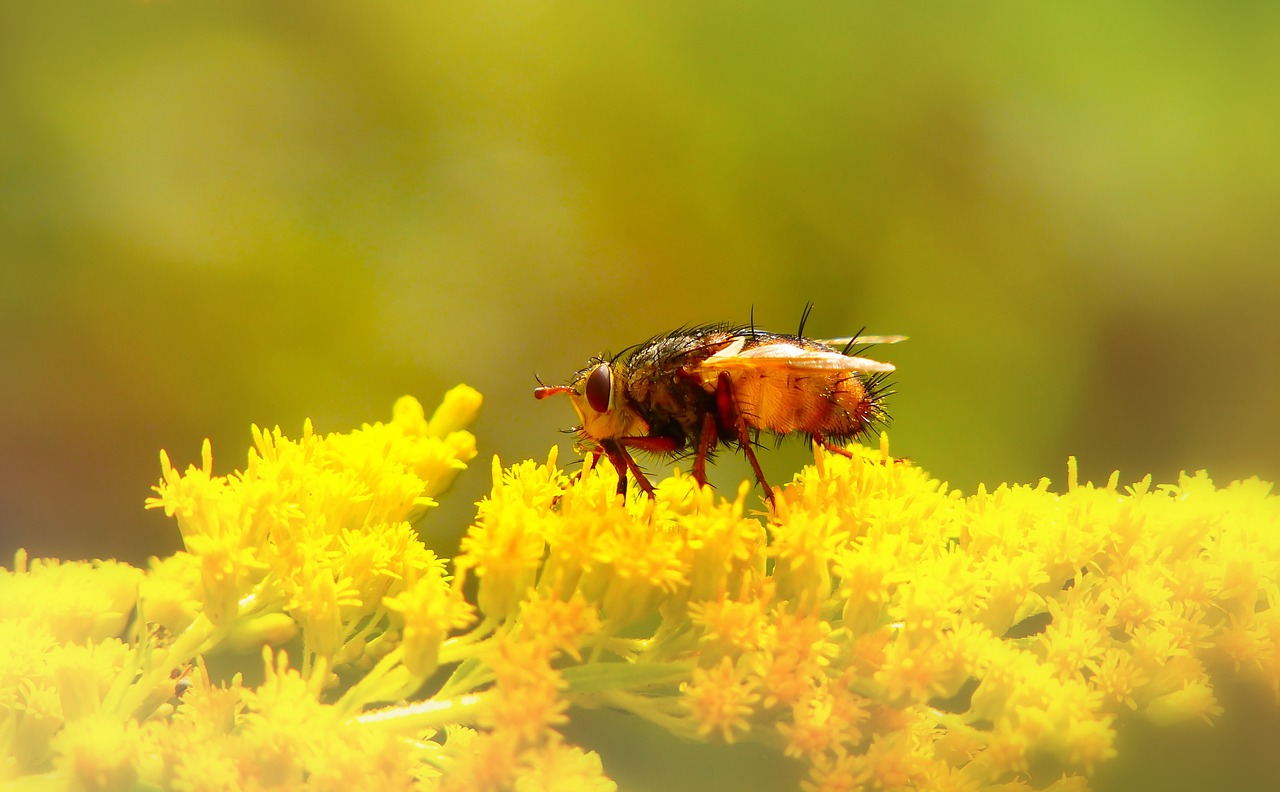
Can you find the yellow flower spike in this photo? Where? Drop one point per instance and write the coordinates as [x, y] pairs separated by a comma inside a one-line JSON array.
[[25, 644], [408, 415], [797, 651], [168, 595], [505, 546], [721, 699], [1072, 640], [227, 574], [726, 550], [828, 716], [78, 601], [456, 412], [285, 725], [1009, 582], [427, 612], [926, 607], [558, 624], [84, 674], [100, 753], [804, 545], [559, 767], [1195, 700], [834, 771], [322, 607], [372, 561], [1064, 718], [31, 716], [877, 625], [868, 577], [892, 761], [730, 627], [912, 675], [481, 762], [209, 709], [526, 700], [961, 652], [641, 566]]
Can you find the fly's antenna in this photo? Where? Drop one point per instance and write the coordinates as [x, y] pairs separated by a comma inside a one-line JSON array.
[[804, 317], [544, 390]]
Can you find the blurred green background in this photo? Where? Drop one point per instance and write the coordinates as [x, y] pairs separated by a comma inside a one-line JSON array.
[[216, 214]]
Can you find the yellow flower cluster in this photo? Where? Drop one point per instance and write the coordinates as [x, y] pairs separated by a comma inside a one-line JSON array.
[[876, 626], [891, 632], [315, 535], [311, 544]]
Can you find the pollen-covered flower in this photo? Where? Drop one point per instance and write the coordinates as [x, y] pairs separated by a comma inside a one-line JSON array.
[[504, 548], [720, 699], [876, 626], [73, 601], [556, 624], [559, 767], [426, 613], [526, 701], [315, 527]]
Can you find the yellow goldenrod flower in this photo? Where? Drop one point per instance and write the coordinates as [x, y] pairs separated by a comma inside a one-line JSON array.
[[558, 625], [427, 612], [100, 753], [562, 768], [721, 699], [76, 602], [526, 700], [877, 626], [316, 528]]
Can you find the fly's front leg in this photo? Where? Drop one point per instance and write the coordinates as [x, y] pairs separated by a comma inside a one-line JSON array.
[[731, 418], [622, 460], [705, 444]]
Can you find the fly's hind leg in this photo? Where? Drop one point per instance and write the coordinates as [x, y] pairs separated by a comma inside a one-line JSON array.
[[731, 417], [832, 447]]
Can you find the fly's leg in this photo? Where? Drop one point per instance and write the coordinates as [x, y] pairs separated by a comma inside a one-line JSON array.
[[731, 417], [621, 462], [705, 444], [833, 448]]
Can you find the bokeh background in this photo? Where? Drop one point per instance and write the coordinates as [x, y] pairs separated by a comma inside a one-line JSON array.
[[214, 214]]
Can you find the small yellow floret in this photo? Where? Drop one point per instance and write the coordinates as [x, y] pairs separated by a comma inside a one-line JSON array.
[[721, 699]]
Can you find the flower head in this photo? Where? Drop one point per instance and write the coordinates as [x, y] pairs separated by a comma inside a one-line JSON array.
[[884, 630]]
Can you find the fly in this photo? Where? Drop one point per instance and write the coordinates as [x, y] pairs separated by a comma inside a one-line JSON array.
[[696, 388]]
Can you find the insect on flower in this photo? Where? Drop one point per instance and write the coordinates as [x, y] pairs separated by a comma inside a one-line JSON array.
[[695, 388]]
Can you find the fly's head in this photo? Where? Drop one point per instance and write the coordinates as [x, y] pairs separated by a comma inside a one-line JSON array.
[[599, 396]]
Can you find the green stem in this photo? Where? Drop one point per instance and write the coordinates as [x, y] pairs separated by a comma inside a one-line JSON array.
[[429, 714]]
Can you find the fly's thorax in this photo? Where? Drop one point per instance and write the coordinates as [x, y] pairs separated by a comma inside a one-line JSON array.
[[673, 402]]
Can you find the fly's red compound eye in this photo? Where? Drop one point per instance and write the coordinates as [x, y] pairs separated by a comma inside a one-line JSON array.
[[599, 388]]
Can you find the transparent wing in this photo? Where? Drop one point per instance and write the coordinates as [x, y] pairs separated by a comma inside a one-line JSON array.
[[786, 356], [840, 343]]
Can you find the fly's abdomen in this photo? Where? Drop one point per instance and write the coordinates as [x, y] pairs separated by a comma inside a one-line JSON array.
[[832, 404]]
